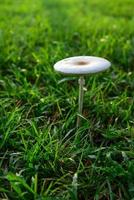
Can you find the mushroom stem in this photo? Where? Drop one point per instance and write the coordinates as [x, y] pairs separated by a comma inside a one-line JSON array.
[[81, 82]]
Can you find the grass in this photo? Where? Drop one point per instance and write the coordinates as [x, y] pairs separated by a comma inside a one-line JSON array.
[[42, 155]]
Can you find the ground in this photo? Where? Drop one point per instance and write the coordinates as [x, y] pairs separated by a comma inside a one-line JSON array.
[[42, 154]]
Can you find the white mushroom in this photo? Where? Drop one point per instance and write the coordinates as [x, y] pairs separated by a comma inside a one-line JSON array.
[[81, 65]]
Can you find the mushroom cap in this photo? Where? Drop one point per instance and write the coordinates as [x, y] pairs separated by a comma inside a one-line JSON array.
[[81, 65]]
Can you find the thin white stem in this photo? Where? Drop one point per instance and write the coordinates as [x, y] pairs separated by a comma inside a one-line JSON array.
[[81, 82]]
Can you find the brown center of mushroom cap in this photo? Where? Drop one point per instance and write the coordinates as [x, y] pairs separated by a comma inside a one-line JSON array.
[[81, 63]]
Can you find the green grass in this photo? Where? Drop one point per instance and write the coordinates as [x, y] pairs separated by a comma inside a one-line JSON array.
[[42, 155]]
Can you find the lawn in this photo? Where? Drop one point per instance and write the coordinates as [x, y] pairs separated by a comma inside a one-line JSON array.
[[42, 154]]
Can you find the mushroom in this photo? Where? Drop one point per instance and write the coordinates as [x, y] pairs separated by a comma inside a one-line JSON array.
[[81, 65]]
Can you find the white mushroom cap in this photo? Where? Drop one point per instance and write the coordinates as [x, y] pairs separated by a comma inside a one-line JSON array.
[[82, 65]]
